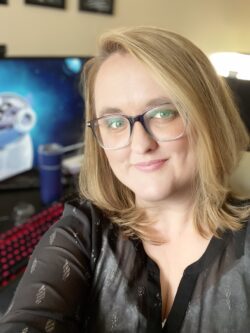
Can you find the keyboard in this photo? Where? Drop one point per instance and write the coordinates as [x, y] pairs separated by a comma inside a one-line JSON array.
[[17, 244]]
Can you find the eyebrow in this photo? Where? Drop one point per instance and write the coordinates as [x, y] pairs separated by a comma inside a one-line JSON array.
[[149, 105]]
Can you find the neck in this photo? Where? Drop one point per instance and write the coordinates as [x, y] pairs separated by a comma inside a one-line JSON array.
[[172, 219]]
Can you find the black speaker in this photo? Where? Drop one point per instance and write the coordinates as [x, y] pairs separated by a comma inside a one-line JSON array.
[[3, 50]]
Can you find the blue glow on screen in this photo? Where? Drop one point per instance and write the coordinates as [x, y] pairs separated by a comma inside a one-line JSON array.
[[51, 88]]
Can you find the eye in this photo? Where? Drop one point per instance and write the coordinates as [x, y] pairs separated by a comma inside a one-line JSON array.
[[162, 113], [115, 122]]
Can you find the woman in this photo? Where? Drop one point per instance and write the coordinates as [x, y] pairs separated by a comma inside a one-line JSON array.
[[158, 240]]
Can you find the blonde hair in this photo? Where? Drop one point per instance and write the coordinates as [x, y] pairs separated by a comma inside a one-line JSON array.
[[214, 124]]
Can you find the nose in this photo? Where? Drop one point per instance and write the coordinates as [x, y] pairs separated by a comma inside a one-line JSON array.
[[141, 141]]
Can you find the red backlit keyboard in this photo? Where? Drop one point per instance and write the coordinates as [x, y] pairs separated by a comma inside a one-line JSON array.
[[17, 244]]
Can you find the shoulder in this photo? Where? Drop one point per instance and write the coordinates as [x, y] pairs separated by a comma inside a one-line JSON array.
[[84, 218], [240, 240], [82, 212], [80, 231], [247, 231]]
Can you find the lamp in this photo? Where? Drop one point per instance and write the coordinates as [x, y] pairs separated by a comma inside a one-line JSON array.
[[232, 64]]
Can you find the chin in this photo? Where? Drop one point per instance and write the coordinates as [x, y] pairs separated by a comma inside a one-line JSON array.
[[151, 197]]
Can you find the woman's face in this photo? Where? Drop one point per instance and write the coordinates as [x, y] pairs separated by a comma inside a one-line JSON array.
[[154, 171]]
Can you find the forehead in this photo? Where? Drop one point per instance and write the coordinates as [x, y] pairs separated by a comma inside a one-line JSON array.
[[123, 82]]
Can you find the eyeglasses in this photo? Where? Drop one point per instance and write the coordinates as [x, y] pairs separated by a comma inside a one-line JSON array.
[[163, 123]]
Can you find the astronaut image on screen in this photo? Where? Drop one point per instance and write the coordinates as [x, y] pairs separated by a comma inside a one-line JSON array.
[[16, 121]]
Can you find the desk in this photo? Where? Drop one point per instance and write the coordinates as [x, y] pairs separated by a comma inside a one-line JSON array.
[[13, 192], [25, 188], [9, 199]]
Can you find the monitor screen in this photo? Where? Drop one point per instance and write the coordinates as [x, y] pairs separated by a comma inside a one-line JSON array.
[[40, 102], [241, 92]]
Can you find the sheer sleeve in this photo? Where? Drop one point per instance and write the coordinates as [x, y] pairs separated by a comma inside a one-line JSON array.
[[52, 295]]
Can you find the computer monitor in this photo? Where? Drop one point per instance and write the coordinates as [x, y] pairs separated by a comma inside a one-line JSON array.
[[40, 102]]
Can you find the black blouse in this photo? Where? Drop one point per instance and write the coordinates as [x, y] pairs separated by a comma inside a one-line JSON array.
[[84, 276]]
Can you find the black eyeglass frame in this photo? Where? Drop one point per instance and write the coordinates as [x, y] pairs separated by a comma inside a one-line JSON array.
[[132, 120]]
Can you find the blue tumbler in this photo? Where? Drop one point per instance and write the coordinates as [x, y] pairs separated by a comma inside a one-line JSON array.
[[49, 160]]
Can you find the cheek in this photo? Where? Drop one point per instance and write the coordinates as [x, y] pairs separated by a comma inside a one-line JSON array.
[[177, 148], [188, 158], [117, 158], [118, 164], [183, 155]]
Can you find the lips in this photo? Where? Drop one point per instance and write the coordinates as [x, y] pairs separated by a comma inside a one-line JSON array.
[[150, 165]]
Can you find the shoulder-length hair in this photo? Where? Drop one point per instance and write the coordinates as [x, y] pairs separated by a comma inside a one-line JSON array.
[[214, 126]]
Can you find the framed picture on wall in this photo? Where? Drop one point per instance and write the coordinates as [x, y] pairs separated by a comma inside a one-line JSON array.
[[47, 3], [97, 6]]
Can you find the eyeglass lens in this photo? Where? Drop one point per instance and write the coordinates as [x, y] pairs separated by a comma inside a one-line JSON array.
[[162, 123]]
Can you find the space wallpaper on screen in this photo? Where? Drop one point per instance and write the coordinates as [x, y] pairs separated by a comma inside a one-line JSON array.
[[50, 88]]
